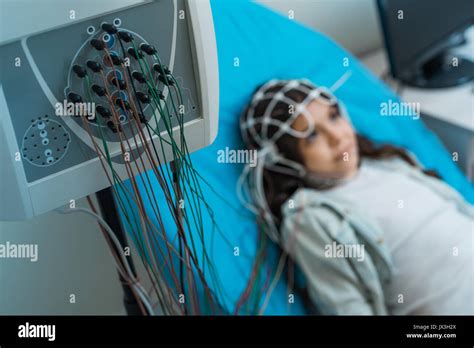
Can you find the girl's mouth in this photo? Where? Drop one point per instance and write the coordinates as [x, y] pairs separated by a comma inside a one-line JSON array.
[[345, 151]]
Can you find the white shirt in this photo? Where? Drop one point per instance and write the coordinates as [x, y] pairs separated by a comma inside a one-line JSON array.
[[431, 241]]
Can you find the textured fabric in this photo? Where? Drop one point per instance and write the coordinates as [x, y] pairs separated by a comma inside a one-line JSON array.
[[418, 243], [429, 237]]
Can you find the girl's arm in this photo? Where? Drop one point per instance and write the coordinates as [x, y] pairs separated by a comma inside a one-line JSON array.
[[314, 236]]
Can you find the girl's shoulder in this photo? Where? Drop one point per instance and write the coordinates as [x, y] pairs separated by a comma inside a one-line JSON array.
[[308, 200]]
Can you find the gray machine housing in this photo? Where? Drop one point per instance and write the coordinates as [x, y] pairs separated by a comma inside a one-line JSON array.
[[36, 178]]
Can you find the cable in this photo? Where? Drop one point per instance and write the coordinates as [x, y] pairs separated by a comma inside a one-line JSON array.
[[129, 274], [147, 225]]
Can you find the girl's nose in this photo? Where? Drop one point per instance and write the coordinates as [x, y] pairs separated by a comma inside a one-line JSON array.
[[333, 134]]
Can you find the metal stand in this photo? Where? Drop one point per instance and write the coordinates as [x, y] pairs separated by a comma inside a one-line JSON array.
[[111, 216], [175, 170]]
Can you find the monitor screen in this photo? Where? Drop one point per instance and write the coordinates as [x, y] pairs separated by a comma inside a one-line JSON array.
[[416, 31]]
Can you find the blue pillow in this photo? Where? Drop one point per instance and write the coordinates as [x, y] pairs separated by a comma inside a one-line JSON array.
[[254, 45]]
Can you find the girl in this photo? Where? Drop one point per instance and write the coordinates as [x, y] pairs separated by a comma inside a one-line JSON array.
[[373, 232]]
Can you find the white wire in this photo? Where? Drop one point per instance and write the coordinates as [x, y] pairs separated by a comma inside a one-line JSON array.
[[135, 283], [336, 85]]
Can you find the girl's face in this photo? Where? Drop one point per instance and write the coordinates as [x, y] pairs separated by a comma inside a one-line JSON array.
[[331, 149]]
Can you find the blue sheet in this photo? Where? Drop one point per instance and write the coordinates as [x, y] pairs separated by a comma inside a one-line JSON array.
[[268, 45]]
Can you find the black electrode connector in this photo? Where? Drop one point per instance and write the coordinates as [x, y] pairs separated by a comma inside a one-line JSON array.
[[116, 60], [143, 98], [135, 54], [94, 66], [142, 118], [114, 127], [103, 111], [166, 79], [109, 28], [100, 91], [161, 69], [120, 84], [125, 36], [74, 97], [99, 45], [148, 49], [79, 71], [138, 76]]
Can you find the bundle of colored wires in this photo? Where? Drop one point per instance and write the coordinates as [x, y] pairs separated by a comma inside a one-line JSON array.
[[178, 272]]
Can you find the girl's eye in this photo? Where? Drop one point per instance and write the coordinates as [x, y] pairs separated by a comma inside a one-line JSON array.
[[312, 136], [334, 116]]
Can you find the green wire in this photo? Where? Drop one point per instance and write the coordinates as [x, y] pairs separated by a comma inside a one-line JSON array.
[[188, 184], [118, 197]]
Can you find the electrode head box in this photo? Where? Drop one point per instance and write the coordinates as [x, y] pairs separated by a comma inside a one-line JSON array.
[[49, 155]]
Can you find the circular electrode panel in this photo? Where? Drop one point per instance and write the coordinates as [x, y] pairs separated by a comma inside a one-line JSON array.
[[107, 78], [45, 142]]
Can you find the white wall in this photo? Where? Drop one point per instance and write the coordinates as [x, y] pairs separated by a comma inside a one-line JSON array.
[[23, 17], [352, 23], [73, 256], [72, 259]]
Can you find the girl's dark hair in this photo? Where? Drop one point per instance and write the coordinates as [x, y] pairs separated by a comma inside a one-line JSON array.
[[280, 187]]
